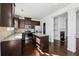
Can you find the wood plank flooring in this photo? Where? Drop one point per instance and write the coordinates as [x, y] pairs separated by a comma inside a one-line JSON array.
[[11, 48], [14, 48]]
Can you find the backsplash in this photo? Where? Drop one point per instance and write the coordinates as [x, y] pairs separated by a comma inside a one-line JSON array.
[[5, 32]]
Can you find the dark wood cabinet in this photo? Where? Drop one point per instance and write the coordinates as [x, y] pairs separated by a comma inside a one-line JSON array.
[[7, 14], [41, 42], [44, 43], [27, 21], [0, 14], [35, 23], [21, 23], [13, 13]]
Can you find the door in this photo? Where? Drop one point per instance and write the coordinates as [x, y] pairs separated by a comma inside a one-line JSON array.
[[44, 28]]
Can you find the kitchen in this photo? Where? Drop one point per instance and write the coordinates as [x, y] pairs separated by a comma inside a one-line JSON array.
[[38, 29], [15, 29]]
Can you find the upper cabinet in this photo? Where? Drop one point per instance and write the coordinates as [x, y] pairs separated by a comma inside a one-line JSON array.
[[35, 23], [24, 23], [7, 14], [21, 23], [0, 14], [27, 21]]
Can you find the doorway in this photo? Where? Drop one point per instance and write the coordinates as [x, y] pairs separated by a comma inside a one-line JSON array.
[[60, 30], [44, 28]]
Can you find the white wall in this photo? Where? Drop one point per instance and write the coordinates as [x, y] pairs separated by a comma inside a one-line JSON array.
[[49, 18], [71, 46], [63, 24], [56, 27], [77, 30], [49, 31], [60, 25], [49, 28]]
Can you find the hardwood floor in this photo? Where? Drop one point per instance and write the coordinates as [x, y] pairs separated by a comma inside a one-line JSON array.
[[11, 48], [14, 48], [30, 50], [59, 48]]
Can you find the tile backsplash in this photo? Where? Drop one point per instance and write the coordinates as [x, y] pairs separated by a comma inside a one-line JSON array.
[[5, 32]]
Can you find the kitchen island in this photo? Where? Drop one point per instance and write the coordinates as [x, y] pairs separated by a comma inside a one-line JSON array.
[[41, 41]]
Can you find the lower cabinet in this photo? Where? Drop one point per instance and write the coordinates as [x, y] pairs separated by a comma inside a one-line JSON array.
[[42, 43]]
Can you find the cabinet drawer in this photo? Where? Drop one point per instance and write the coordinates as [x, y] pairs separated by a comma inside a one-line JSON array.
[[38, 40]]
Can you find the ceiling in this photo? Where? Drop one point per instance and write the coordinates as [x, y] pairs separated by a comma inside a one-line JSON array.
[[37, 10]]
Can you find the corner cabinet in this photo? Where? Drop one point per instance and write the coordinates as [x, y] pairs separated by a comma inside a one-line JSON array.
[[7, 14]]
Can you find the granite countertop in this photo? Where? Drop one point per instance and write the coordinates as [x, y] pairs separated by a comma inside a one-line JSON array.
[[14, 36], [40, 34], [6, 32]]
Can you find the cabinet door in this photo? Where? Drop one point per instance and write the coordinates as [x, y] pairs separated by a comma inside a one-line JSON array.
[[22, 23], [35, 23], [6, 14], [27, 21], [38, 42], [13, 13], [44, 43], [0, 13]]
